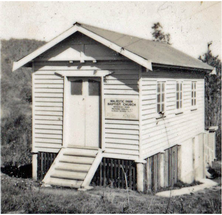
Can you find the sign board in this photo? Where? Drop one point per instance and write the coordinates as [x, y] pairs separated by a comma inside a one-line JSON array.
[[122, 109]]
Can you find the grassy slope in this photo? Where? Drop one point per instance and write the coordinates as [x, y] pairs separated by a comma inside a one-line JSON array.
[[24, 196]]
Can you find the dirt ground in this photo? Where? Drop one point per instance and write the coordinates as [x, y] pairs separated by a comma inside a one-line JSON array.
[[26, 196]]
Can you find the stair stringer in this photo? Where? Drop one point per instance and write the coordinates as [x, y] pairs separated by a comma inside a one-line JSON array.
[[92, 169], [46, 179]]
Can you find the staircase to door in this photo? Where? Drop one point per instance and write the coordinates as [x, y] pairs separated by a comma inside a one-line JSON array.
[[74, 167]]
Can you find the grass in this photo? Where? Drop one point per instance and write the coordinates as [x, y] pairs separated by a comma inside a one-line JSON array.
[[25, 196]]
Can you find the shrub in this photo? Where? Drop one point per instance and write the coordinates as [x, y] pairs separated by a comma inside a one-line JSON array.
[[16, 140]]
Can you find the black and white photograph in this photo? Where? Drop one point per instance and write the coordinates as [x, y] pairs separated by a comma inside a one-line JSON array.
[[110, 107]]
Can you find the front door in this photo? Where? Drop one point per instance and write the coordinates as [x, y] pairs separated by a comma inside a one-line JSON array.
[[83, 109]]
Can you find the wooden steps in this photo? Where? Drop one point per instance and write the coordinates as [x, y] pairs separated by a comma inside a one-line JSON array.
[[74, 167]]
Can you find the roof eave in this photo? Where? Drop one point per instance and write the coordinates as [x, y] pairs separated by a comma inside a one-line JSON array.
[[210, 70], [130, 55]]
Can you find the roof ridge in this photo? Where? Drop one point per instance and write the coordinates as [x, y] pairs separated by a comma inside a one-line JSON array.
[[83, 24]]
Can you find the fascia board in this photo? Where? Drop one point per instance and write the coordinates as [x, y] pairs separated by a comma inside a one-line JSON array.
[[47, 46]]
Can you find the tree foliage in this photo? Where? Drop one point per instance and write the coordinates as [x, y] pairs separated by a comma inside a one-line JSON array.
[[159, 35], [16, 103], [213, 95]]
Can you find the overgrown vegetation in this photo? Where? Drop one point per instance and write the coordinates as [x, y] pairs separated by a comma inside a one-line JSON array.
[[16, 103], [24, 196], [213, 95]]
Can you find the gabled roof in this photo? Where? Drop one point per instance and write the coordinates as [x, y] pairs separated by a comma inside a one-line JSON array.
[[142, 51]]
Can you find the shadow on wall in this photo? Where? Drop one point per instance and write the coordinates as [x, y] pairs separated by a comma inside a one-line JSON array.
[[24, 171]]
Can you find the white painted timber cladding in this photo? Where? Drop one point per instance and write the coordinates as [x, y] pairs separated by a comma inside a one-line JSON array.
[[47, 111], [158, 135], [121, 136]]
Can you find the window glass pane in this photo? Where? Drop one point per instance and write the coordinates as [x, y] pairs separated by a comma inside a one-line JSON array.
[[158, 87], [94, 88], [158, 108], [194, 94], [177, 105], [158, 98], [180, 104], [177, 86], [195, 85], [162, 107], [76, 87], [163, 97], [192, 85], [181, 95], [177, 96], [194, 101], [181, 86], [163, 87]]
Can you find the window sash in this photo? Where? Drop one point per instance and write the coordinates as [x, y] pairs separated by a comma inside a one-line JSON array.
[[179, 95], [193, 93], [160, 96]]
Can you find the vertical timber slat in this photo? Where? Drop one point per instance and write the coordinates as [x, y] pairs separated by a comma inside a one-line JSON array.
[[155, 172], [110, 173], [149, 173], [176, 164], [166, 168], [173, 166], [170, 166]]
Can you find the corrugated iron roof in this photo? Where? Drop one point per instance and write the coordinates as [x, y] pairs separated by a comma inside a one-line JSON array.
[[156, 52], [144, 52]]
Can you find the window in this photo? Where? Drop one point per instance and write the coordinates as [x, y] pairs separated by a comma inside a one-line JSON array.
[[179, 95], [193, 93], [94, 88], [76, 87], [160, 96]]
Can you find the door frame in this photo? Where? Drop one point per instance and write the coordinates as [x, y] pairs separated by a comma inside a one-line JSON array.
[[87, 74]]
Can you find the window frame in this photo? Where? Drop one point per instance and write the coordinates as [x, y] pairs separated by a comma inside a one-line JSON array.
[[193, 98], [179, 100], [162, 95]]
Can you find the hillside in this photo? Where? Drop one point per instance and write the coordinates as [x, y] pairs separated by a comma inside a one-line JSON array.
[[16, 102]]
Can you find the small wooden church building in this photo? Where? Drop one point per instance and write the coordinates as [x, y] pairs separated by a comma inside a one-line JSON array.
[[108, 105]]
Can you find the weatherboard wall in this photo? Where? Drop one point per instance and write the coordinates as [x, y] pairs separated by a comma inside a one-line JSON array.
[[47, 111], [159, 133], [80, 53], [121, 137]]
